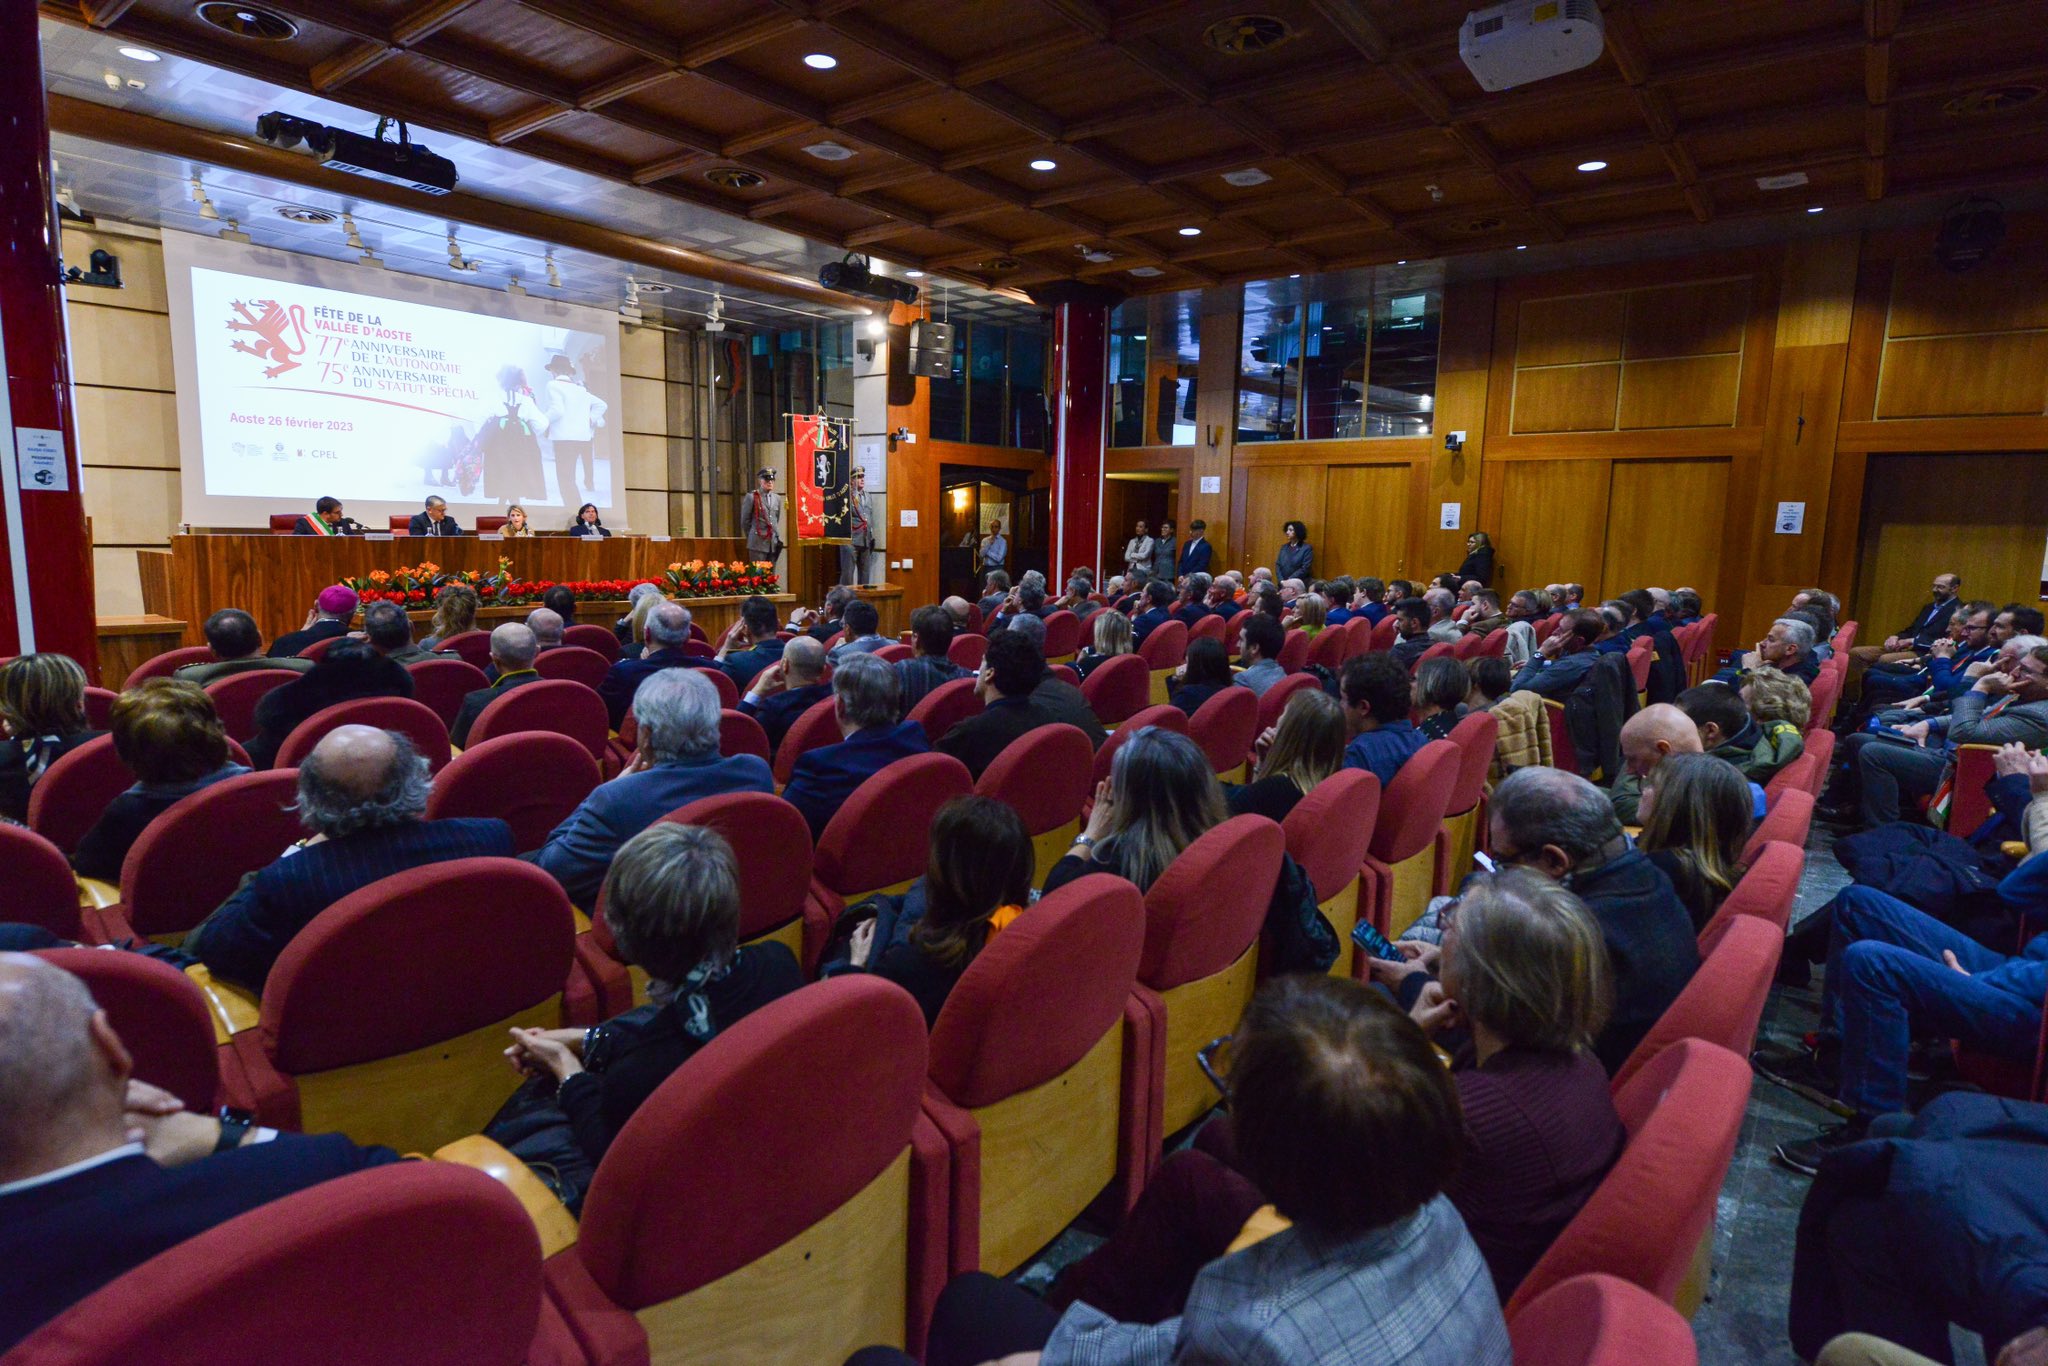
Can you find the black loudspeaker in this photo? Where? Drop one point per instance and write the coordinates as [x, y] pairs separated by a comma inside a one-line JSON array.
[[931, 349]]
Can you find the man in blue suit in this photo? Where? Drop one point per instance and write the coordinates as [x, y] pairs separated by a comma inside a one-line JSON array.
[[363, 798], [788, 688], [668, 631], [83, 1199], [865, 702], [1158, 611], [677, 763], [1194, 554]]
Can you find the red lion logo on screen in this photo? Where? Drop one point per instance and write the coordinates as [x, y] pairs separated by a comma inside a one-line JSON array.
[[280, 332]]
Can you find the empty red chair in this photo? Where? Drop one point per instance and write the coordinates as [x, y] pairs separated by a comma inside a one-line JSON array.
[[427, 1263], [947, 705], [1600, 1321], [1041, 1074], [1644, 1222], [893, 654], [1820, 749], [40, 888], [1766, 892], [1440, 650], [1401, 867], [385, 1019], [414, 720], [1328, 833], [553, 704], [809, 1164], [1212, 627], [168, 663], [440, 684], [1969, 807], [967, 650], [879, 840], [74, 791], [242, 823], [1294, 650], [160, 1015], [816, 728], [1725, 998], [1202, 922], [590, 637], [1172, 718], [1383, 634], [1225, 727], [530, 779], [1062, 635], [1787, 822], [1475, 736], [1165, 649], [1328, 650], [319, 648], [1845, 638], [574, 663], [1273, 700], [471, 647], [1468, 646], [235, 698], [1563, 754], [1118, 688], [1043, 775], [739, 733]]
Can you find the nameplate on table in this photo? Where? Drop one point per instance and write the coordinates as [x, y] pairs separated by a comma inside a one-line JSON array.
[[376, 535], [661, 540], [490, 535]]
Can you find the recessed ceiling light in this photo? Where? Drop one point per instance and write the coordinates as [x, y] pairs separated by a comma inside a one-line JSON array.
[[1592, 165], [913, 275], [829, 151], [821, 61], [1522, 247], [1246, 178], [138, 54], [1043, 165], [1295, 276], [1146, 272], [1402, 262], [1815, 209], [1190, 232]]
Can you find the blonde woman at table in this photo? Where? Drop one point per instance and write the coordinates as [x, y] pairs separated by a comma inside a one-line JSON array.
[[515, 523]]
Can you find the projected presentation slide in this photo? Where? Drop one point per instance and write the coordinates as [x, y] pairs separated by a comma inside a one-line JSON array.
[[300, 377]]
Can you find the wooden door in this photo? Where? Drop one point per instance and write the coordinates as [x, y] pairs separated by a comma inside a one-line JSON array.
[[1664, 520], [1983, 516], [1273, 496], [1365, 508], [1553, 524]]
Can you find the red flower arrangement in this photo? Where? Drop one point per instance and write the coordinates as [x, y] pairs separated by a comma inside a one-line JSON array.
[[415, 586]]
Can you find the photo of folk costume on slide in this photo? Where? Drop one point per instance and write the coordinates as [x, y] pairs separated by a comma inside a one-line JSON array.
[[528, 447]]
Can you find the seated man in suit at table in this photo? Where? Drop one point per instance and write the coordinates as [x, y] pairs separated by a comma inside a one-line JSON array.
[[435, 521], [333, 608], [326, 520], [231, 633], [513, 650], [787, 689]]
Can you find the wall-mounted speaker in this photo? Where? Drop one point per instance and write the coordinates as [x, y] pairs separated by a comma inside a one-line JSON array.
[[931, 349]]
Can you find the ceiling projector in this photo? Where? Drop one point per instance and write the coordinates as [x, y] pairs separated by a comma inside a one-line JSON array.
[[404, 162], [853, 276], [1527, 40]]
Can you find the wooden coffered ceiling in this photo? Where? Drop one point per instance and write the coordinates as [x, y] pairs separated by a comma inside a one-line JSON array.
[[1376, 142]]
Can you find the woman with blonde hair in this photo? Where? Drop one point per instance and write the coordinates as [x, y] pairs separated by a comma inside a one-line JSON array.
[[169, 736], [1777, 698], [1305, 748], [1160, 797], [42, 710], [1696, 811], [1309, 613], [515, 523], [1109, 636], [454, 613]]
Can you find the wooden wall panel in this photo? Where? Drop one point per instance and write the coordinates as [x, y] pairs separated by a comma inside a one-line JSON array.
[[1571, 330], [1981, 515], [1664, 523], [2007, 293], [1985, 375], [1798, 462], [1698, 318], [1274, 495], [1366, 512], [1567, 398], [1683, 391], [1553, 523]]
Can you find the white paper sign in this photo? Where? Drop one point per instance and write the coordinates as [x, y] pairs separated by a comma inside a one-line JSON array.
[[907, 517], [1212, 483], [868, 455], [40, 452], [1453, 516], [1791, 518]]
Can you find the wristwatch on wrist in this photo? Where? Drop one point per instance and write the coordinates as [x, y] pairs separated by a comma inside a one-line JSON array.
[[234, 1125]]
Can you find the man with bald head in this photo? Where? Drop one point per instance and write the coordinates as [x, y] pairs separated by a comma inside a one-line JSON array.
[[547, 627], [99, 1172], [1652, 733], [363, 802], [513, 650], [787, 689]]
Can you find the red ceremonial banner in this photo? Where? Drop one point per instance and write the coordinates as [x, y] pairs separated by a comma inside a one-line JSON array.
[[818, 470]]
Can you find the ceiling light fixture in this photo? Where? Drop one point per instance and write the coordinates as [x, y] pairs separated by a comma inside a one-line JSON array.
[[821, 61], [350, 237], [206, 209], [1522, 247], [456, 260], [876, 327], [714, 321], [233, 233], [138, 54], [630, 309], [829, 151], [1190, 232], [1592, 165], [554, 275], [913, 275], [1042, 164], [1815, 209]]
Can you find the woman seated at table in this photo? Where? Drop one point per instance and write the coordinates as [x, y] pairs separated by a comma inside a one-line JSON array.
[[1305, 748], [171, 739], [588, 525], [515, 523], [42, 715], [1160, 797]]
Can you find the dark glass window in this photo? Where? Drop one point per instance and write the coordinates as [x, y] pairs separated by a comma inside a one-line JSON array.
[[988, 365], [1025, 427]]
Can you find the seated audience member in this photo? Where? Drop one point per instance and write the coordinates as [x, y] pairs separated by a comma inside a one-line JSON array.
[[1337, 594], [1193, 603], [630, 629], [977, 879], [1055, 696], [169, 736], [1571, 597], [1781, 706], [1368, 600], [1438, 696], [1728, 731], [1490, 679], [1618, 620], [1966, 642], [1487, 615], [232, 635], [1223, 598], [1928, 625], [1108, 637], [1685, 607], [350, 669], [1308, 614], [1375, 694], [389, 631], [547, 628], [998, 584], [1345, 1121], [1010, 673], [1442, 630], [1159, 797], [1696, 815], [829, 619], [100, 1172], [863, 626], [960, 610], [1027, 599], [672, 903], [362, 799], [42, 705], [332, 608], [1204, 673], [1563, 660], [668, 632], [788, 688], [752, 644], [561, 600], [930, 668], [864, 704], [1306, 747], [1788, 646], [1411, 631], [676, 762], [513, 650], [1647, 739], [1259, 641], [455, 609], [1894, 974], [1268, 600], [1158, 610]]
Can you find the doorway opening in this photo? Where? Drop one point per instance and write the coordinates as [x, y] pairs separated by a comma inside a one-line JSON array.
[[973, 501], [1149, 496]]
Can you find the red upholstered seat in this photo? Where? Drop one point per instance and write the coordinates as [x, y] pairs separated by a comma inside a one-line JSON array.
[[1294, 650], [1683, 1112], [319, 648], [441, 683], [283, 523], [1641, 654], [168, 663], [1725, 998], [1329, 649], [1043, 774], [1118, 688], [892, 654], [1211, 627], [160, 1015], [428, 1263], [1062, 634], [40, 887], [1563, 754], [1495, 645], [1328, 832], [816, 728], [1467, 646], [1166, 647], [472, 647], [808, 1154], [242, 823], [739, 733], [416, 721], [967, 650], [1067, 674], [1225, 727], [1401, 866], [574, 663], [1820, 752], [1827, 686], [947, 705], [1383, 633], [592, 637], [99, 707], [1786, 821], [74, 791], [1357, 636], [1464, 816], [1600, 1321], [385, 1018], [1172, 718], [530, 779], [974, 621], [1273, 700], [1045, 1025], [1765, 892], [880, 838], [235, 698], [1969, 807], [553, 704], [1439, 650]]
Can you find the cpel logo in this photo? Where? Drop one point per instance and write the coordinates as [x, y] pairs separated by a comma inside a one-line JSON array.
[[280, 333]]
